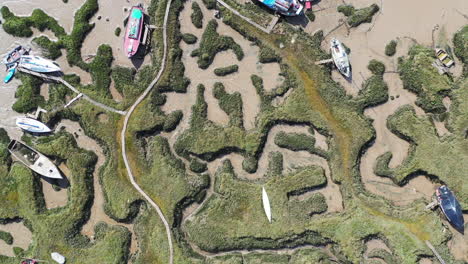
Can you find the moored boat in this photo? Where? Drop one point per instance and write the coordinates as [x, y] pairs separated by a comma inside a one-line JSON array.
[[284, 7], [266, 204], [450, 207], [133, 31], [33, 160], [29, 261], [38, 64], [340, 57], [15, 54], [32, 125], [58, 258], [444, 58], [10, 74]]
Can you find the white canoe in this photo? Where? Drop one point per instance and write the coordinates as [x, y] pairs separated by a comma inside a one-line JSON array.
[[266, 204], [34, 160], [58, 258], [340, 57], [38, 64], [32, 125]]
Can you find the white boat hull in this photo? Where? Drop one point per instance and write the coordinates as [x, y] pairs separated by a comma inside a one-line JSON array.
[[32, 125], [34, 160], [340, 57], [266, 204], [38, 64]]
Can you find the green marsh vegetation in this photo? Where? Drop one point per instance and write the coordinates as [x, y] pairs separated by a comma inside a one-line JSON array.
[[189, 38], [390, 48], [358, 16], [226, 70], [197, 15]]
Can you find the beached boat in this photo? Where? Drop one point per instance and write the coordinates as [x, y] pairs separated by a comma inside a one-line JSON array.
[[340, 58], [266, 204], [450, 207], [33, 159], [32, 125], [443, 57], [29, 261], [134, 31], [10, 74], [15, 54], [284, 7], [38, 64], [58, 258]]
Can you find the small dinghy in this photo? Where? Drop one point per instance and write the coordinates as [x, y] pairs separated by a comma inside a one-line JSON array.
[[10, 74], [340, 57], [29, 261], [14, 55], [32, 125], [34, 160], [266, 204], [38, 64], [58, 258], [284, 7], [134, 31], [450, 207]]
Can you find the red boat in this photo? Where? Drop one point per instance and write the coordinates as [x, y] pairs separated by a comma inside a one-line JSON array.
[[29, 261], [134, 31]]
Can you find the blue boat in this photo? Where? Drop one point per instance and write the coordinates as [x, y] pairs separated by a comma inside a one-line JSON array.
[[451, 207], [9, 76], [284, 7]]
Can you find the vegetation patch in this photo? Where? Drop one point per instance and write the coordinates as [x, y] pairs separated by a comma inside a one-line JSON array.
[[212, 43], [117, 31], [231, 104], [189, 38], [197, 15], [298, 142], [226, 70], [420, 77], [7, 237], [390, 48], [358, 16]]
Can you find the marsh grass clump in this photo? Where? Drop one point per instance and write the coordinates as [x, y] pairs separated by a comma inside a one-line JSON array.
[[210, 4], [212, 43], [231, 104], [310, 15], [52, 49], [298, 142], [268, 55], [226, 70], [374, 90], [189, 38], [358, 16], [197, 15], [7, 237], [28, 94], [117, 31], [390, 48], [315, 204], [376, 67], [420, 77], [198, 166]]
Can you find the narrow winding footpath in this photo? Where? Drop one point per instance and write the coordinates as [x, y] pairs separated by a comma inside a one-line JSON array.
[[124, 130]]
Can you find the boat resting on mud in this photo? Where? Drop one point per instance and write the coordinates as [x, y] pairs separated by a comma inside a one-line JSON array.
[[15, 54], [134, 30], [266, 204], [34, 160], [38, 64], [32, 125], [444, 58], [10, 74], [284, 7], [450, 207], [340, 57]]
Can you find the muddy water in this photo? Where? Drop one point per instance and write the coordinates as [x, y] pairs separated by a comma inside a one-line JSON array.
[[22, 237], [112, 16], [56, 8], [375, 244], [97, 210], [239, 81]]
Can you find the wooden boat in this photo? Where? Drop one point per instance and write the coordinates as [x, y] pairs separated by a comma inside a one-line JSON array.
[[266, 204], [15, 54], [134, 31], [450, 207], [340, 58], [32, 125], [33, 160], [443, 57], [38, 64], [284, 7], [58, 258], [10, 74]]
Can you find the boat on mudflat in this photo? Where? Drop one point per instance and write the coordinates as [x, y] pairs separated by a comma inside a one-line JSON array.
[[32, 125], [266, 204], [284, 7], [134, 30], [450, 207], [340, 57], [34, 160], [10, 74], [38, 64], [15, 54]]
